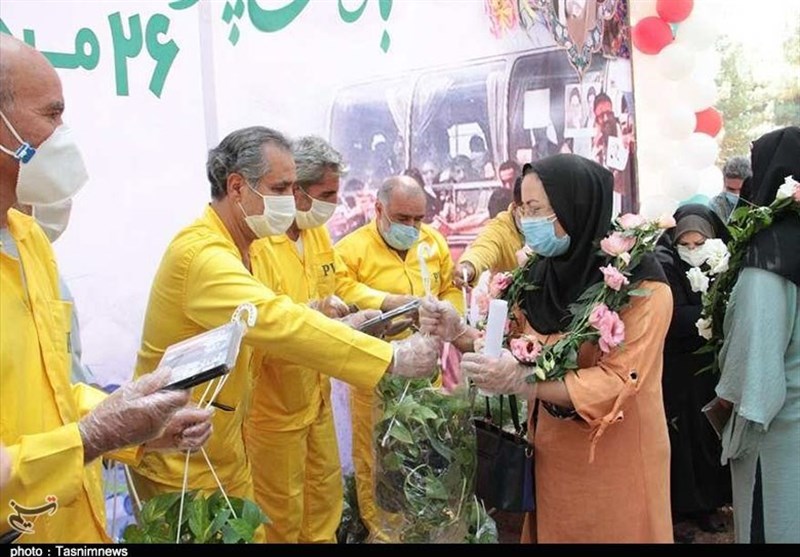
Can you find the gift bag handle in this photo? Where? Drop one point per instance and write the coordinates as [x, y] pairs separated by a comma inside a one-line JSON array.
[[519, 428]]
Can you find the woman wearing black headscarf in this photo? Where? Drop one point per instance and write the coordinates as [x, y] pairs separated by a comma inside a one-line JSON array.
[[699, 484], [602, 450], [760, 359]]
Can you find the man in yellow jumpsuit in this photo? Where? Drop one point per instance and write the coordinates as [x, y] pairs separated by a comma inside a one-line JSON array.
[[289, 433], [383, 256], [206, 273], [495, 247], [53, 432]]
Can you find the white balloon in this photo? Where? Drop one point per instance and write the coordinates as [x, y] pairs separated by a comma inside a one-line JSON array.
[[680, 181], [697, 32], [697, 91], [711, 181], [699, 151], [707, 63], [642, 9], [655, 206], [675, 61], [678, 121]]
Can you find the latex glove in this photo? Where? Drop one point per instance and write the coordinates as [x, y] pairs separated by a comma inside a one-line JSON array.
[[187, 430], [500, 376], [440, 319], [355, 320], [458, 274], [397, 326], [332, 307], [393, 301], [5, 466], [415, 356], [131, 415]]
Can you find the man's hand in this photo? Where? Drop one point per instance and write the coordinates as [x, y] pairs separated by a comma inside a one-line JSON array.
[[187, 430], [357, 319], [441, 319], [332, 307], [415, 356], [393, 301], [131, 415], [460, 271]]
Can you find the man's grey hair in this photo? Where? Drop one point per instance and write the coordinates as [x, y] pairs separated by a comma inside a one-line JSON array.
[[737, 167], [406, 184], [241, 152], [313, 156]]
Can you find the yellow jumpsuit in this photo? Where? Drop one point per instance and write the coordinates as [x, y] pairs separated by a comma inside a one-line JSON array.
[[496, 246], [40, 408], [289, 434], [369, 261], [198, 286]]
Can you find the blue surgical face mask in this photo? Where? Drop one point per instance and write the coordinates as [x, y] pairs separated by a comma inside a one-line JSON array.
[[400, 236], [540, 236], [733, 198]]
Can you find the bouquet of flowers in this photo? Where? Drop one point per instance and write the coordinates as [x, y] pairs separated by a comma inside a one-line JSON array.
[[595, 315], [425, 464], [724, 266]]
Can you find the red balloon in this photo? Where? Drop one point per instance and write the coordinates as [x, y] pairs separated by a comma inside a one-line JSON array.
[[651, 35], [674, 11], [709, 121]]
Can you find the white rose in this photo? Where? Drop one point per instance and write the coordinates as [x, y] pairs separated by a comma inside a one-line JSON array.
[[704, 328], [718, 256], [697, 280], [787, 189]]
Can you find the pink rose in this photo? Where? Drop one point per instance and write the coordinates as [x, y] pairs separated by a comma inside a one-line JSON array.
[[797, 194], [617, 243], [523, 255], [498, 284], [609, 325], [525, 348], [630, 221], [666, 221], [613, 278]]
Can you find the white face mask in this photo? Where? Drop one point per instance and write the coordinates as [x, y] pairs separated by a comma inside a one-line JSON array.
[[319, 214], [278, 216], [694, 257], [51, 173], [53, 218]]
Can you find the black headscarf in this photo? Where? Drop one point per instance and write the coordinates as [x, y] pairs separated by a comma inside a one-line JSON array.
[[775, 249], [581, 193], [667, 253]]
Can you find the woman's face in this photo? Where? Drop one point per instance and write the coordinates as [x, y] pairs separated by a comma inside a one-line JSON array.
[[691, 239], [535, 202]]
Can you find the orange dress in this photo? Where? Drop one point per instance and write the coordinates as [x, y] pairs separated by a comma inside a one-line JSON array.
[[604, 477]]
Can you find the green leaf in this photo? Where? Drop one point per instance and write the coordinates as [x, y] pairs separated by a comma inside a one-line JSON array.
[[640, 292], [441, 448], [253, 514], [400, 433], [230, 534], [133, 534], [423, 413], [199, 520], [392, 462], [435, 489], [216, 525], [244, 530]]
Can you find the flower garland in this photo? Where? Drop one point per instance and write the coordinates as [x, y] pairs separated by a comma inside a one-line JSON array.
[[744, 223], [595, 315]]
